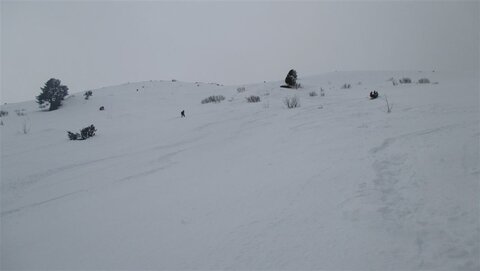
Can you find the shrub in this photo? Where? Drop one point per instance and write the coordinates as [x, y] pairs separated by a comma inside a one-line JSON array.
[[102, 108], [3, 113], [213, 99], [405, 80], [240, 89], [313, 94], [73, 136], [346, 86], [322, 92], [20, 112], [292, 102], [253, 99], [84, 133], [52, 94], [394, 82], [88, 132], [423, 81], [89, 93]]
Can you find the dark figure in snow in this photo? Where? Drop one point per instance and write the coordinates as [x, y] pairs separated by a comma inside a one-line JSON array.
[[182, 114], [373, 95]]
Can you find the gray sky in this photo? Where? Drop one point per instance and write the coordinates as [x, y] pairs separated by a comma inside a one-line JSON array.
[[92, 44]]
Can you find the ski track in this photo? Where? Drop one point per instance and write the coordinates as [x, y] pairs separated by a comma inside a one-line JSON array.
[[398, 210], [37, 204]]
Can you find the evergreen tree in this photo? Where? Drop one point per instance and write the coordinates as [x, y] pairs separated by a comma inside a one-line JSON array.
[[291, 79], [52, 94], [293, 73]]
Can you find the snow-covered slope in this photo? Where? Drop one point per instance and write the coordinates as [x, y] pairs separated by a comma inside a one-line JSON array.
[[338, 183]]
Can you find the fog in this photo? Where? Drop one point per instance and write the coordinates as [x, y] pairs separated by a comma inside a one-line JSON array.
[[94, 44]]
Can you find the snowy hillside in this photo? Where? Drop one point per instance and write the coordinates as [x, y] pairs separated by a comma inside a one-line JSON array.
[[336, 184]]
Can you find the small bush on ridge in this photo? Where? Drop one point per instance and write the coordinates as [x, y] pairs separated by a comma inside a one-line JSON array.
[[87, 94], [213, 99], [253, 99], [423, 81]]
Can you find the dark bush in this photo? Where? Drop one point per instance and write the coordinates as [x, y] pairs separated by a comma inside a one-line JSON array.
[[240, 89], [213, 99], [88, 132], [346, 86], [405, 80], [73, 136], [87, 94], [313, 94], [253, 99], [84, 133], [423, 81], [3, 113], [102, 108]]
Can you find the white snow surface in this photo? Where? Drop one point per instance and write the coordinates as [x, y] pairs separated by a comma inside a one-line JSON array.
[[336, 184]]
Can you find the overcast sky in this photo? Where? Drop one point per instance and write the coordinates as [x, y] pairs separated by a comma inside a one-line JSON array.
[[91, 44]]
